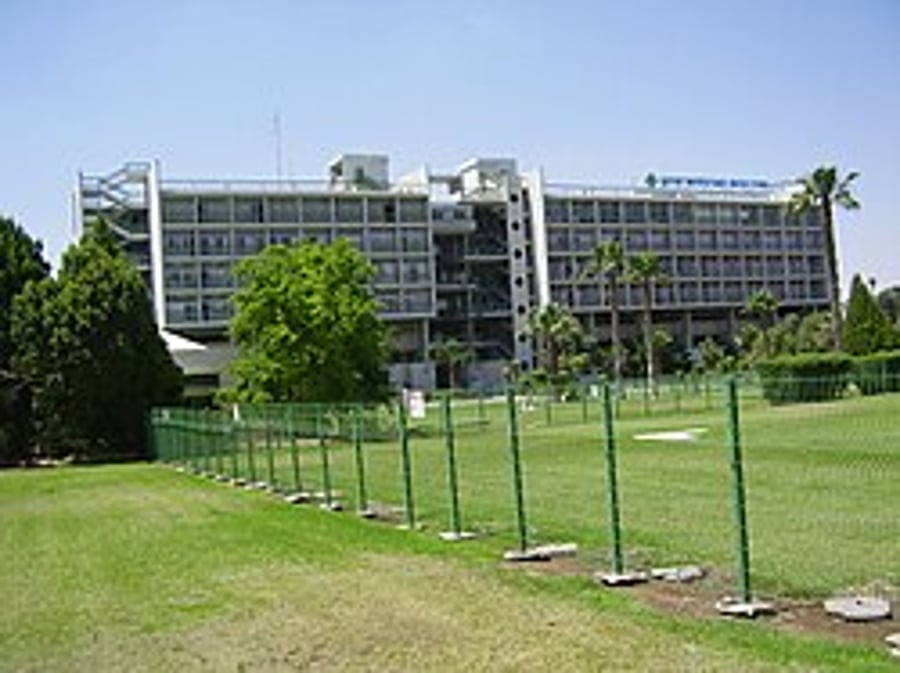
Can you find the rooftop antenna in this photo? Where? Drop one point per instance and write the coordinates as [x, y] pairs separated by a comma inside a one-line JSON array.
[[276, 128]]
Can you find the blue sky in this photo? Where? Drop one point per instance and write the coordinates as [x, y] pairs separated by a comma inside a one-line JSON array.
[[591, 91]]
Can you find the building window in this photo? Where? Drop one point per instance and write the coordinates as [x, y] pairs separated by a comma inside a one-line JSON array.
[[387, 272], [179, 243], [414, 240], [415, 271], [733, 292], [214, 243], [749, 215], [686, 266], [728, 215], [729, 240], [709, 267], [249, 242], [215, 309], [583, 212], [560, 269], [179, 210], [216, 275], [816, 264], [684, 239], [316, 209], [283, 236], [771, 216], [753, 266], [795, 265], [584, 240], [588, 295], [382, 211], [712, 292], [660, 240], [610, 211], [214, 209], [283, 210], [751, 240], [683, 213], [348, 210], [557, 211], [705, 213], [247, 210], [180, 276], [417, 301], [794, 240], [382, 240], [731, 267], [659, 213], [814, 240], [352, 235], [635, 212], [558, 240], [414, 210], [772, 240], [389, 301], [775, 267], [817, 289], [706, 240], [687, 293], [636, 240], [181, 310]]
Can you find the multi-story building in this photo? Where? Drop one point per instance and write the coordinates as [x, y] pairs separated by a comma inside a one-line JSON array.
[[467, 254]]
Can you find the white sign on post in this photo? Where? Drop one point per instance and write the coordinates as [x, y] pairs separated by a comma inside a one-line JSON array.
[[416, 404]]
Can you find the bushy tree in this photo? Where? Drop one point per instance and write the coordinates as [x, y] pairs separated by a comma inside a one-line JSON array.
[[889, 301], [559, 334], [307, 326], [21, 261], [88, 344], [607, 261], [453, 354], [866, 329]]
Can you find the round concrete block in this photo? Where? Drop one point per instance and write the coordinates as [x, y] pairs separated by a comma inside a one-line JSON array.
[[859, 608]]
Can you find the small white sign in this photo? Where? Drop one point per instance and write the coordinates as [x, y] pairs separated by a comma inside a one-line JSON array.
[[415, 404]]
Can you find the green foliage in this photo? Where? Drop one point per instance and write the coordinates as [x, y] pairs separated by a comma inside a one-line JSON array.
[[307, 326], [866, 328], [452, 354], [820, 191], [877, 373], [889, 301], [559, 333], [88, 344], [21, 261], [809, 377]]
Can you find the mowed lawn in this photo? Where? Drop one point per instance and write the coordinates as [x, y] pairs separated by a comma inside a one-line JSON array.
[[140, 568], [822, 484]]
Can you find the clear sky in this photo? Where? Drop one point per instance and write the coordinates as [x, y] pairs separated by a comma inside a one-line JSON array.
[[590, 90]]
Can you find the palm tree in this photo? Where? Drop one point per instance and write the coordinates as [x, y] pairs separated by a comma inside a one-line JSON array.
[[608, 260], [453, 354], [762, 305], [822, 190], [646, 270], [558, 332]]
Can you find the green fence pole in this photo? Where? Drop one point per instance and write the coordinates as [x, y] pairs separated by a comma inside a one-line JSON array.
[[482, 417], [233, 445], [221, 444], [740, 507], [270, 448], [251, 450], [584, 402], [407, 465], [452, 481], [361, 496], [612, 488], [548, 410], [295, 453], [323, 450], [517, 468]]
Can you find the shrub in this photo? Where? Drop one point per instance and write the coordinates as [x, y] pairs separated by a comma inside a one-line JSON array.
[[878, 372], [808, 377]]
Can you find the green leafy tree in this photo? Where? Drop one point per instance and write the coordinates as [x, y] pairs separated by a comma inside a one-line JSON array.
[[814, 333], [889, 301], [762, 306], [558, 332], [645, 269], [307, 326], [21, 261], [607, 261], [822, 190], [452, 354], [867, 329], [88, 343]]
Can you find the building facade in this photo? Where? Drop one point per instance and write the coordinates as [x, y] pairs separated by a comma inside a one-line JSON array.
[[468, 254]]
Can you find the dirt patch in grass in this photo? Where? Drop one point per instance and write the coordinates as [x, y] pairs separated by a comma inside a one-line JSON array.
[[698, 600]]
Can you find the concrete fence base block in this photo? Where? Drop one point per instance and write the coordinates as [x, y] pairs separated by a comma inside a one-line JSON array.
[[893, 641], [453, 536], [297, 498], [623, 579], [366, 513], [333, 506], [238, 481], [859, 608], [733, 607], [526, 556], [321, 495], [557, 550], [222, 479], [678, 574], [256, 486]]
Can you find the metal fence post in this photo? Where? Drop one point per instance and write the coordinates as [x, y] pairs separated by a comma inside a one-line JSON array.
[[361, 495], [739, 497], [407, 467], [517, 468], [615, 528], [323, 449], [452, 481]]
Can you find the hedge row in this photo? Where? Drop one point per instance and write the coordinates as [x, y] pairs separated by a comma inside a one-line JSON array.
[[815, 377]]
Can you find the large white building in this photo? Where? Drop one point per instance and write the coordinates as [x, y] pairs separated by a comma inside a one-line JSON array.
[[466, 254]]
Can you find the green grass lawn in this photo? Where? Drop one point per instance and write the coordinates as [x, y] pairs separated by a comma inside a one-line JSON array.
[[140, 568], [822, 485]]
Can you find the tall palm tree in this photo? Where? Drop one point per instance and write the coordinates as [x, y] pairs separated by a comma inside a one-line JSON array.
[[558, 332], [608, 261], [822, 190], [645, 269], [453, 354]]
